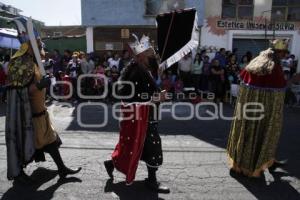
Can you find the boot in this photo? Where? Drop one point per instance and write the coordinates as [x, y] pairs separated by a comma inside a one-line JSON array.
[[109, 166], [152, 183], [63, 171]]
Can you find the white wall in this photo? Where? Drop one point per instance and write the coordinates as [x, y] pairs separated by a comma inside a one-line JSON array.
[[214, 8]]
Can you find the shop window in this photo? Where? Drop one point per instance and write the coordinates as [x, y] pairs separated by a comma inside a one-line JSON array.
[[286, 10], [237, 9], [154, 7]]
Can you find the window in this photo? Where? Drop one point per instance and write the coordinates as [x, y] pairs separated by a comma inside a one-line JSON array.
[[154, 7], [237, 9], [125, 34], [57, 34], [113, 46], [286, 10]]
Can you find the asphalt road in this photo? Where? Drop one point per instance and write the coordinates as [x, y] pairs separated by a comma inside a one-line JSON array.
[[195, 162]]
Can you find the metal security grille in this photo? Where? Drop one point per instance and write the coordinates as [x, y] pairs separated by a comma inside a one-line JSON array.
[[253, 45]]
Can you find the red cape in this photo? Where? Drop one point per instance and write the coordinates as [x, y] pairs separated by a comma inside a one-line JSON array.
[[133, 131], [273, 80]]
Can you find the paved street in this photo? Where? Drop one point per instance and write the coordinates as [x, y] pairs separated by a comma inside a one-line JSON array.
[[195, 163]]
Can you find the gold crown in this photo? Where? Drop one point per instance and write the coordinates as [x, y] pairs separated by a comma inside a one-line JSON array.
[[280, 44]]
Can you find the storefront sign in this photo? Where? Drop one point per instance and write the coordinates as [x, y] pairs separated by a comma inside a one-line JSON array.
[[252, 25]]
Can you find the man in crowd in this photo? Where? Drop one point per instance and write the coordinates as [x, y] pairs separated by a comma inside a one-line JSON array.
[[184, 69], [221, 57]]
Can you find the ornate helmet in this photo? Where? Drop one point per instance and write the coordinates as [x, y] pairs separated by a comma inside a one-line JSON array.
[[27, 35], [280, 44], [141, 46]]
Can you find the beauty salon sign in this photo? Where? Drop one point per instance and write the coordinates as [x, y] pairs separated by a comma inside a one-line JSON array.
[[219, 26]]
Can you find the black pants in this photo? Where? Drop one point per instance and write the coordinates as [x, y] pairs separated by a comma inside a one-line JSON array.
[[186, 78], [152, 152]]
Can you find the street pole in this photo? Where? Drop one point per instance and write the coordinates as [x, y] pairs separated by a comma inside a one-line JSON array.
[[266, 32]]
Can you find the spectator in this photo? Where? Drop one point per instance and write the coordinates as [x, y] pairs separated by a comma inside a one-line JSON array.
[[232, 69], [91, 62], [178, 86], [125, 60], [66, 59], [287, 64], [205, 74], [217, 80], [244, 62], [48, 64], [87, 67], [249, 55], [221, 57], [294, 65], [65, 88], [197, 71], [74, 70], [99, 80], [2, 84], [5, 64], [57, 64], [203, 54], [115, 61], [84, 63], [114, 73], [166, 82], [184, 69]]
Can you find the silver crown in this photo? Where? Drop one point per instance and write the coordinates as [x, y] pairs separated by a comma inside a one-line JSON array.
[[140, 46]]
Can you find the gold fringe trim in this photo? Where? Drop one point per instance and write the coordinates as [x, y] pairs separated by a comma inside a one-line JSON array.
[[256, 173]]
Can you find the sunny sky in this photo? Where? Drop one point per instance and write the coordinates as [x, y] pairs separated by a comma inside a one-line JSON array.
[[52, 12]]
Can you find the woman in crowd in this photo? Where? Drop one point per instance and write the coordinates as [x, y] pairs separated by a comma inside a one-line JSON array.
[[205, 74], [232, 69], [217, 80], [244, 62], [197, 71]]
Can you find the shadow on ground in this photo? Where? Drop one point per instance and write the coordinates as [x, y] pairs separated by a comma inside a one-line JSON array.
[[277, 189], [136, 191], [41, 176]]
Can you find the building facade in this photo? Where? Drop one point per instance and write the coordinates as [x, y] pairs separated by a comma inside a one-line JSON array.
[[64, 37], [248, 25], [110, 23]]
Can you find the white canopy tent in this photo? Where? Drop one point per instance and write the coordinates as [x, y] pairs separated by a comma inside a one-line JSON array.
[[9, 39]]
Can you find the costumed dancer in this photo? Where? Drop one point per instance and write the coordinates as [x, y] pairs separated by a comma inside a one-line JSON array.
[[252, 143], [139, 138], [29, 133]]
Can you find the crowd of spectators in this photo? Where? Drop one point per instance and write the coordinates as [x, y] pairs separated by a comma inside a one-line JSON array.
[[200, 72]]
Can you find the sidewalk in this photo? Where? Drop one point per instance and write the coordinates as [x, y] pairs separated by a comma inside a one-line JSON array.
[[193, 170]]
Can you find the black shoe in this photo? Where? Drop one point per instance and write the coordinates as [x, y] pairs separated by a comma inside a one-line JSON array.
[[157, 187], [109, 166], [277, 164], [66, 171]]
